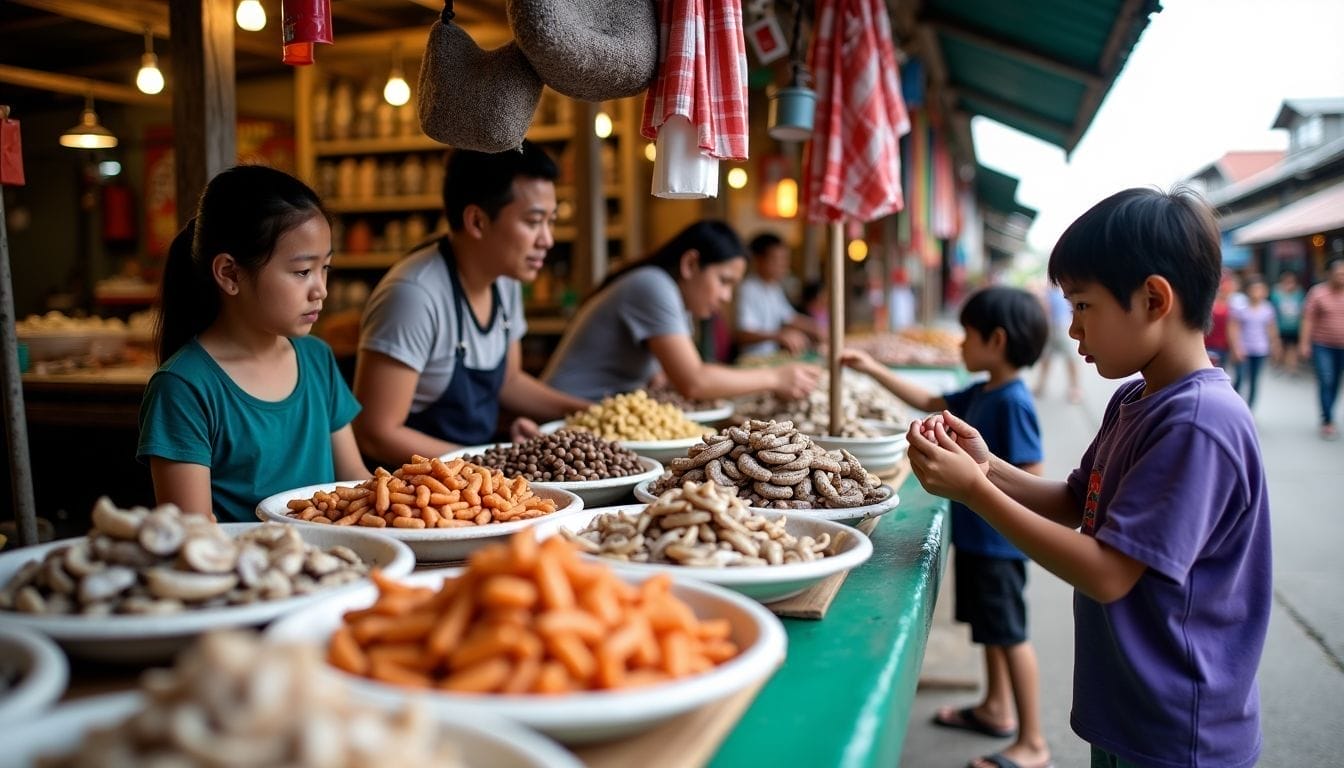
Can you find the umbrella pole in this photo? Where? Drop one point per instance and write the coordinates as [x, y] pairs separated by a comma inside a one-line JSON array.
[[836, 269], [16, 425]]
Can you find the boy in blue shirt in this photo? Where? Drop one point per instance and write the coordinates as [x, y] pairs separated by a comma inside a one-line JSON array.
[[1163, 529], [1006, 330]]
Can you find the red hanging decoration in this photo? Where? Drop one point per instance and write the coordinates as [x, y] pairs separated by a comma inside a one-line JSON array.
[[303, 24], [11, 151]]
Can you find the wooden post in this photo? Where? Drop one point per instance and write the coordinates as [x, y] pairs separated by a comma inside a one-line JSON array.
[[16, 423], [590, 258], [836, 277], [204, 105]]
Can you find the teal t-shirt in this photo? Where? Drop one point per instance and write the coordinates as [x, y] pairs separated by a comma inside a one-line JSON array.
[[193, 412]]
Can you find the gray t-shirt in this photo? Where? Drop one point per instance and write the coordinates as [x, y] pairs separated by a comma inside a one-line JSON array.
[[605, 349], [412, 318], [762, 308]]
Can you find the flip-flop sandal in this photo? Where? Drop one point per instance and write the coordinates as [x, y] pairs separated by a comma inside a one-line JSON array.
[[967, 720], [999, 761]]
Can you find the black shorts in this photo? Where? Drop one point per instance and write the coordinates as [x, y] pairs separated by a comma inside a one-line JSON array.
[[1288, 337], [989, 597]]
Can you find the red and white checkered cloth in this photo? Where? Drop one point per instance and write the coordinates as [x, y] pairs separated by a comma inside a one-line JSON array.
[[854, 159], [702, 74]]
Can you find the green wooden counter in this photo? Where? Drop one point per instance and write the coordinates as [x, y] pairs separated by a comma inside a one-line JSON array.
[[844, 693]]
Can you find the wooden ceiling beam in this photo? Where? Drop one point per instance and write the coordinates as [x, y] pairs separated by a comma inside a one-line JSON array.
[[135, 16], [79, 86], [991, 42]]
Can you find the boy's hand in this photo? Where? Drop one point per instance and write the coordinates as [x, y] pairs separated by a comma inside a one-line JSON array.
[[967, 437], [941, 465], [858, 360]]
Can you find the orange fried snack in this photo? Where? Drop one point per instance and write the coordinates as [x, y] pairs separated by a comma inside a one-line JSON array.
[[529, 618], [426, 493]]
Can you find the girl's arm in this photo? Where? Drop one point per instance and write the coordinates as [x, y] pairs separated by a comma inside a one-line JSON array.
[[349, 465], [1098, 571], [184, 484], [698, 380]]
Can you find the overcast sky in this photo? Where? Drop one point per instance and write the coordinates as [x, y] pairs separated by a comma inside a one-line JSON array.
[[1206, 77]]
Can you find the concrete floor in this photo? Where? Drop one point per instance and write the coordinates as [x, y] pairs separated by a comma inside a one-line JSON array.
[[1302, 672]]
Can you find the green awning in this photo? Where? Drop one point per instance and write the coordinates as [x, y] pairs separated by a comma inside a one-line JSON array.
[[999, 191], [1040, 66]]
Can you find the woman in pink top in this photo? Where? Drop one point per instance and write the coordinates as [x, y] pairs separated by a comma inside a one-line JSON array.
[[1323, 338], [1253, 334]]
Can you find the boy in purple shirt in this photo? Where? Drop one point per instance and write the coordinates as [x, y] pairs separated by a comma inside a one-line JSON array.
[[1163, 529]]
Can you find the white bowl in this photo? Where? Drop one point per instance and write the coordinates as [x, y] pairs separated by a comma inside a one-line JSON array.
[[766, 583], [577, 718], [42, 669], [430, 545], [879, 455], [595, 493], [846, 515], [482, 741], [661, 451], [143, 639], [710, 415]]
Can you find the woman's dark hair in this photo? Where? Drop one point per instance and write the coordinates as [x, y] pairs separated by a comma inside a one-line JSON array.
[[1140, 232], [243, 212], [1018, 313], [714, 240], [486, 179]]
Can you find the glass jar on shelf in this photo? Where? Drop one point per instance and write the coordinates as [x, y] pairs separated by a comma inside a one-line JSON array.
[[342, 110], [389, 179], [367, 184], [347, 178], [412, 175]]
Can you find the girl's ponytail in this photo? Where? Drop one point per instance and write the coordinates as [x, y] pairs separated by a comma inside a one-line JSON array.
[[188, 301]]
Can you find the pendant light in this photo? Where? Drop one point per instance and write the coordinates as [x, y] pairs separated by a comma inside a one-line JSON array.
[[89, 134], [250, 15], [149, 79], [396, 92]]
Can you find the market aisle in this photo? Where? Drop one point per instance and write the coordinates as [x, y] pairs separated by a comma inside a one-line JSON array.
[[1301, 675]]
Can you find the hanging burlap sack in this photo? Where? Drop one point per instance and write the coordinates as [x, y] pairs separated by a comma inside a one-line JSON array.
[[475, 99], [592, 50]]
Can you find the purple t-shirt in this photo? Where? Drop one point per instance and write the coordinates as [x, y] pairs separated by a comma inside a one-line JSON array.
[[1254, 320], [1165, 676]]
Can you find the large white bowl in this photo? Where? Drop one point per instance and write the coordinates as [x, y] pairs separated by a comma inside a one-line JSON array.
[[143, 639], [577, 718], [595, 493], [430, 545], [42, 669], [711, 415], [766, 583], [879, 455], [482, 741], [846, 515], [661, 451]]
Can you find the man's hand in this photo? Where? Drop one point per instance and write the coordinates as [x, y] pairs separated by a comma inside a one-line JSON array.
[[523, 429], [792, 340]]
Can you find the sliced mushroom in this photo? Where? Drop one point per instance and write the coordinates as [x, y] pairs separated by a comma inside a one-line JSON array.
[[303, 584], [288, 560], [319, 563], [78, 560], [29, 600], [253, 562], [105, 584], [208, 554], [345, 553], [150, 606], [27, 572], [275, 586], [186, 586], [192, 731], [131, 554], [101, 608], [54, 575], [162, 532], [121, 524]]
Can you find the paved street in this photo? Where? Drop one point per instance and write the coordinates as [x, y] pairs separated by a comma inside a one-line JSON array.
[[1302, 673]]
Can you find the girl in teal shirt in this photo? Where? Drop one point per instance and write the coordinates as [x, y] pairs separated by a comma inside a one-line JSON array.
[[245, 403]]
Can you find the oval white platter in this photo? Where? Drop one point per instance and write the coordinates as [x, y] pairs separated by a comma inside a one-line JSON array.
[[145, 638], [483, 741], [42, 673], [430, 545], [578, 717], [595, 493], [846, 515], [765, 583]]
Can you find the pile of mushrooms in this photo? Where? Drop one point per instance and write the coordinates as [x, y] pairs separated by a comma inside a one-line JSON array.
[[141, 561]]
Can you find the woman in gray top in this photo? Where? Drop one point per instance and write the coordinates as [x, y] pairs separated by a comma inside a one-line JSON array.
[[639, 320]]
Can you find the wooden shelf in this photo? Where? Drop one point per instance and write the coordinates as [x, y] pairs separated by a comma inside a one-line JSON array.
[[419, 143], [367, 260], [385, 204]]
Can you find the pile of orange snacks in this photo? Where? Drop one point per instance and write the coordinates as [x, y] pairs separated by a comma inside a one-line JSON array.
[[529, 618], [426, 493]]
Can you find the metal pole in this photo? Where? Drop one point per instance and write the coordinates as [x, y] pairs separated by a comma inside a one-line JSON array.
[[836, 268], [16, 425]]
